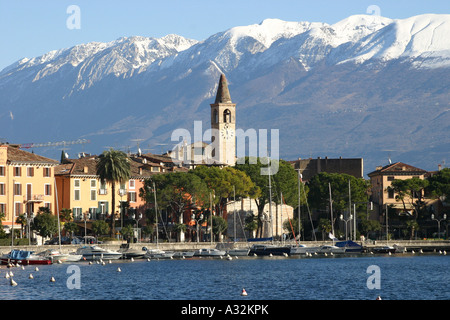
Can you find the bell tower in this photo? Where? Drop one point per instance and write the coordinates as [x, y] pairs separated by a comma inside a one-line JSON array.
[[223, 120]]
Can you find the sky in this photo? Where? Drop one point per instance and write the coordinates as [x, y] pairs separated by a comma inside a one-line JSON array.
[[30, 28]]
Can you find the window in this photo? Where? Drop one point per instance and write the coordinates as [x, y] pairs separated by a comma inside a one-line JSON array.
[[390, 178], [2, 207], [2, 189], [17, 189], [93, 183], [102, 188], [30, 172], [77, 214], [227, 116], [131, 184], [132, 196], [2, 171], [76, 195], [216, 116], [76, 183], [48, 189], [48, 205], [390, 193], [93, 195], [47, 172], [17, 171], [18, 209]]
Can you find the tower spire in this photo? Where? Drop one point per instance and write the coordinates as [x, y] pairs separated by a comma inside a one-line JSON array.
[[223, 95]]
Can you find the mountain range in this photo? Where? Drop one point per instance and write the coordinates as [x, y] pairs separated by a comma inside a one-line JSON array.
[[367, 86]]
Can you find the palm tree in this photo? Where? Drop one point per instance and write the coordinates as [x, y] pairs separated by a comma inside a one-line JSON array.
[[113, 166]]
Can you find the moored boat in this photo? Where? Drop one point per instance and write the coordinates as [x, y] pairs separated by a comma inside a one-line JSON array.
[[128, 253], [158, 254], [331, 249], [302, 249], [97, 253], [384, 249], [209, 253], [349, 246], [24, 257], [238, 252], [266, 250]]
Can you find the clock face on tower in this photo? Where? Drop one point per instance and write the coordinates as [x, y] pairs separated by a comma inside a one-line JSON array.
[[227, 132]]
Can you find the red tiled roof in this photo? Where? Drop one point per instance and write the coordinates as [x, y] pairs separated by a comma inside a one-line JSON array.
[[16, 155]]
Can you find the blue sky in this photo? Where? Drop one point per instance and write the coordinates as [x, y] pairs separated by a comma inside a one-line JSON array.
[[30, 28]]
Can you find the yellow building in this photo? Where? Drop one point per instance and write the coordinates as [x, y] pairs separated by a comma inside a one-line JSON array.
[[382, 178], [26, 182], [80, 189]]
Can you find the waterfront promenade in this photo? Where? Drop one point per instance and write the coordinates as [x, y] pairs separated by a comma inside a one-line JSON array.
[[427, 246]]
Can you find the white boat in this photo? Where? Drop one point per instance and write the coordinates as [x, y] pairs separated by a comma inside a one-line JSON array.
[[97, 253], [209, 253], [158, 254], [302, 249], [54, 255], [331, 249], [183, 254], [74, 257]]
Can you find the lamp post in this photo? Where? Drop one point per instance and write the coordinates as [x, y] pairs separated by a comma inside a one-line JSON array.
[[346, 221], [444, 217], [29, 218], [197, 219], [86, 216], [137, 218]]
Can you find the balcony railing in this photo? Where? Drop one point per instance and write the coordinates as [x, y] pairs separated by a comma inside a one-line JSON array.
[[33, 198], [102, 191]]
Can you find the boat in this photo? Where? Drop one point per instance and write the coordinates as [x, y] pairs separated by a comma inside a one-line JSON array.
[[24, 257], [97, 253], [331, 249], [350, 246], [239, 252], [384, 249], [158, 254], [128, 253], [266, 250], [302, 249], [209, 253], [184, 254], [54, 255]]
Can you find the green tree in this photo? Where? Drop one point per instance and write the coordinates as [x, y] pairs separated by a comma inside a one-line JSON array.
[[284, 181], [100, 227], [366, 226], [409, 191], [113, 167], [219, 225], [439, 184], [127, 231], [45, 223], [70, 227], [177, 191]]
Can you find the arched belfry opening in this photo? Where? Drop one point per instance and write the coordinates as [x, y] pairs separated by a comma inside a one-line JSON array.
[[227, 116]]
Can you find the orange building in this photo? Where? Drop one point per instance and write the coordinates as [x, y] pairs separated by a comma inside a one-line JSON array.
[[26, 182]]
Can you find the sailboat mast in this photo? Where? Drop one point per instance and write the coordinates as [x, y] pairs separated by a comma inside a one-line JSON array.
[[270, 207], [57, 214], [156, 213], [234, 213], [331, 209]]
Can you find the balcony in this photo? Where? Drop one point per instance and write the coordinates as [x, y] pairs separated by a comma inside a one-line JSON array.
[[102, 191], [33, 198]]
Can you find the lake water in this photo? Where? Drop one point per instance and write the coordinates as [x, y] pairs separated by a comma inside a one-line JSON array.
[[397, 277]]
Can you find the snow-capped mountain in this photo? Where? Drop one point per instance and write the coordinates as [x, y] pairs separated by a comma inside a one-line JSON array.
[[331, 89]]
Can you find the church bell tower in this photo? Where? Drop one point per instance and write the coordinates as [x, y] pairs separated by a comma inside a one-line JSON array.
[[223, 120]]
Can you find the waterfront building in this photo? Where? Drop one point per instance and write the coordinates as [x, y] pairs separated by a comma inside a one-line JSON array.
[[381, 180], [26, 182], [239, 209], [80, 189], [310, 167]]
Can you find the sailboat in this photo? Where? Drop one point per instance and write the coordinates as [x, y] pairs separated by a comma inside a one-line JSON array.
[[269, 250], [157, 253], [237, 251]]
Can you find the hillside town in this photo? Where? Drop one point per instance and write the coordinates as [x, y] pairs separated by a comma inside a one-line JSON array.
[[397, 201]]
